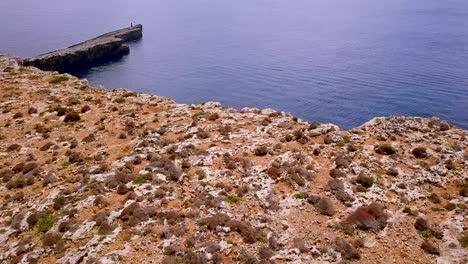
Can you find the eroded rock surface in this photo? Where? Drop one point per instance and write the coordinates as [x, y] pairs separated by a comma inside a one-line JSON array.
[[96, 176]]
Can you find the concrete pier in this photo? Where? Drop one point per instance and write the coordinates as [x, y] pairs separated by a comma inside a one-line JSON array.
[[88, 53]]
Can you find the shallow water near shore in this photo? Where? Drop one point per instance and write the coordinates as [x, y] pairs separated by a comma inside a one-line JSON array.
[[335, 61]]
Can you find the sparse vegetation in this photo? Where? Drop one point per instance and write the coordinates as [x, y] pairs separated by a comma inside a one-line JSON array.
[[226, 186]]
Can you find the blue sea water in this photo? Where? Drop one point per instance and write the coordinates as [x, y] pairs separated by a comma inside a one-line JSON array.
[[340, 61]]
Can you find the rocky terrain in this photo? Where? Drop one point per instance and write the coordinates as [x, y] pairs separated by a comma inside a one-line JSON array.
[[96, 176]]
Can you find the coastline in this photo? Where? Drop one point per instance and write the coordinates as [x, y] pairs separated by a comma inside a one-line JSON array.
[[129, 177]]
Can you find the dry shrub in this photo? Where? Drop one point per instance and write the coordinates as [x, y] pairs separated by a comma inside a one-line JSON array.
[[242, 190], [75, 157], [172, 217], [122, 189], [247, 232], [194, 258], [18, 115], [212, 222], [202, 134], [6, 174], [13, 147], [18, 167], [371, 217], [347, 250], [428, 230], [119, 178], [50, 239], [336, 186], [32, 110], [300, 244], [213, 116], [419, 153], [323, 205], [265, 253], [46, 146], [246, 258], [16, 220], [207, 200], [260, 151], [273, 202], [105, 229], [392, 171], [435, 198], [72, 117], [342, 162], [135, 214], [464, 191], [385, 149], [274, 172], [167, 167], [298, 179], [60, 202], [17, 182], [65, 226], [439, 125], [336, 173], [430, 248], [366, 181], [85, 109], [225, 129]]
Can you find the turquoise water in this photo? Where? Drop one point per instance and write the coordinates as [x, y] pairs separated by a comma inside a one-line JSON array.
[[334, 61]]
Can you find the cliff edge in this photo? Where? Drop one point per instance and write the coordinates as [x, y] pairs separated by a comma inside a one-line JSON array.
[[96, 176]]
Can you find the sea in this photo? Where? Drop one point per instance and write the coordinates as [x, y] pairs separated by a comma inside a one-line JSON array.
[[338, 61]]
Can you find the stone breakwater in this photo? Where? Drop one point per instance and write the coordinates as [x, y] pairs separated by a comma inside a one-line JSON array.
[[89, 175], [88, 53]]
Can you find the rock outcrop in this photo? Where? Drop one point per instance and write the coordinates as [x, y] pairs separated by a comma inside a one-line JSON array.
[[86, 54], [89, 175]]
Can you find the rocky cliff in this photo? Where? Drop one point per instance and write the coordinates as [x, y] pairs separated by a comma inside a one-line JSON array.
[[96, 176]]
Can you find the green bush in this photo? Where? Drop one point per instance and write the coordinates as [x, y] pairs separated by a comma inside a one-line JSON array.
[[201, 175], [232, 199], [366, 181], [385, 149], [58, 79], [45, 222], [139, 179], [299, 196], [361, 188]]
